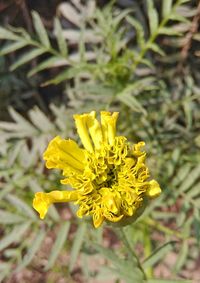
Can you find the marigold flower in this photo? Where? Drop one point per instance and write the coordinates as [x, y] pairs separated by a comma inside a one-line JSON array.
[[109, 177]]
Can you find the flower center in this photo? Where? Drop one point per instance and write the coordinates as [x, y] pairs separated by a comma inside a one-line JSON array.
[[106, 163], [112, 178]]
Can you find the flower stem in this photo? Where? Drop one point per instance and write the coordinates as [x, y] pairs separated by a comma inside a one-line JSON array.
[[131, 253], [153, 223]]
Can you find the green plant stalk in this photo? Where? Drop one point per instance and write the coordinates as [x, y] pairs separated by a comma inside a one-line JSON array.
[[165, 229], [152, 39], [49, 50], [130, 251], [147, 250]]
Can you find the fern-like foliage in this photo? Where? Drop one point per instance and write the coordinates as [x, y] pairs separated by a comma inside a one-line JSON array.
[[114, 65], [109, 55], [109, 64]]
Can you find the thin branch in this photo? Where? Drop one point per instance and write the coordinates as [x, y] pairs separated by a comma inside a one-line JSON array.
[[188, 38]]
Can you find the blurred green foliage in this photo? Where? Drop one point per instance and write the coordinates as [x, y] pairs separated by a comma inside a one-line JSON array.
[[129, 61]]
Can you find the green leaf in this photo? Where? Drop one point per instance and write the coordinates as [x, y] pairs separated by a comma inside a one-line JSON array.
[[14, 236], [163, 215], [7, 34], [49, 63], [10, 218], [70, 13], [128, 99], [179, 18], [15, 152], [65, 75], [181, 174], [34, 247], [12, 252], [179, 2], [127, 96], [196, 223], [147, 63], [188, 110], [158, 254], [182, 257], [58, 245], [169, 31], [194, 192], [190, 179], [110, 255], [12, 47], [26, 58], [166, 8], [4, 265], [21, 206], [153, 16], [121, 16], [197, 138], [156, 49], [5, 270], [127, 270], [60, 38], [168, 281], [105, 274], [77, 243], [40, 120], [40, 30], [139, 30], [60, 114], [21, 127]]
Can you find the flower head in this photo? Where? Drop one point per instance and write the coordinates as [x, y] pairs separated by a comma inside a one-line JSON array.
[[109, 177]]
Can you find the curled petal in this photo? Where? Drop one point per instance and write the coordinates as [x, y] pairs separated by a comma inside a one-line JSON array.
[[110, 200], [137, 149], [89, 130], [83, 210], [95, 130], [129, 210], [82, 129], [154, 189], [108, 123], [64, 154], [42, 201], [98, 218], [41, 204], [111, 217]]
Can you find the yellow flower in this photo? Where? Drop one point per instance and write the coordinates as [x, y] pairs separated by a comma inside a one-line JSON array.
[[109, 177]]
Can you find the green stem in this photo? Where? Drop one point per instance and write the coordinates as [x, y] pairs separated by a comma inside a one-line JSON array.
[[130, 251], [48, 50], [165, 229], [148, 250], [152, 38]]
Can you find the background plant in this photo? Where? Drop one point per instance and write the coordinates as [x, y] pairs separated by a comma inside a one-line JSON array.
[[131, 61]]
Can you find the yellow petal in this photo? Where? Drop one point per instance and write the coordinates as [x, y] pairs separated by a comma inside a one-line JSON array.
[[154, 189], [111, 217], [108, 123], [129, 210], [82, 129], [137, 149], [41, 204], [98, 219], [110, 200], [83, 210], [63, 154], [95, 130], [42, 201]]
